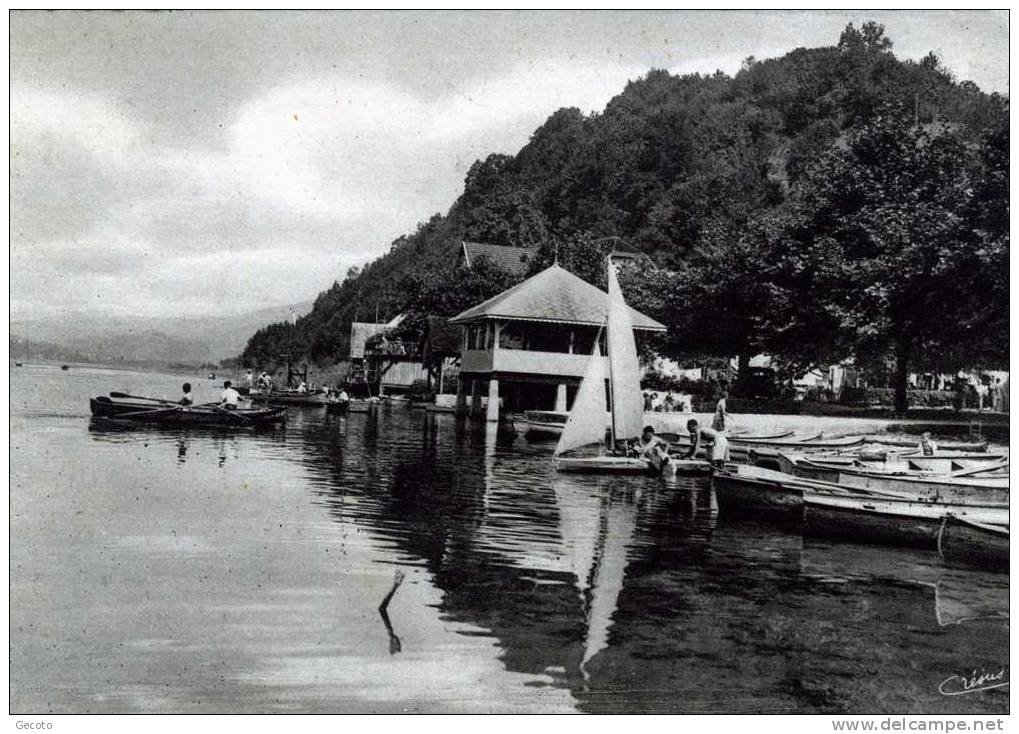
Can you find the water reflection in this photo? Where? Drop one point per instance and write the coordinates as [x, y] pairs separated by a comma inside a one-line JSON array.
[[629, 592], [624, 594]]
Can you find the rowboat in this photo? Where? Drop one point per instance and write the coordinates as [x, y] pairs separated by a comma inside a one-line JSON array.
[[891, 521], [334, 405], [973, 446], [743, 489], [629, 465], [965, 541], [361, 405], [918, 485], [176, 416], [542, 422], [744, 448], [290, 397]]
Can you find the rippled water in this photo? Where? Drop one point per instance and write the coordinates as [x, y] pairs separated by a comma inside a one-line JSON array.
[[167, 571]]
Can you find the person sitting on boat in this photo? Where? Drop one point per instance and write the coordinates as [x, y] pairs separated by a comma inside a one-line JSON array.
[[650, 447], [927, 447], [302, 388], [342, 396], [719, 443], [229, 397], [263, 380], [187, 398]]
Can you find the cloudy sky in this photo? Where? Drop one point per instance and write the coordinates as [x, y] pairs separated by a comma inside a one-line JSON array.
[[195, 163]]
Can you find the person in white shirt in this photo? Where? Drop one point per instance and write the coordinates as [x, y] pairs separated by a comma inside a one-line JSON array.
[[229, 397], [343, 397], [719, 443], [303, 387], [927, 447], [187, 398], [249, 378]]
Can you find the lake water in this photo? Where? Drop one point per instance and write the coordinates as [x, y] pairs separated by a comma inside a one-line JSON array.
[[163, 571]]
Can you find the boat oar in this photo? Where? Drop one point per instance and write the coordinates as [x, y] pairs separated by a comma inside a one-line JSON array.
[[231, 412], [148, 411], [141, 397]]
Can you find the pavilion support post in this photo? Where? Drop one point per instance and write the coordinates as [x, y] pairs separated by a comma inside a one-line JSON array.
[[560, 398], [475, 397], [492, 413], [461, 396]]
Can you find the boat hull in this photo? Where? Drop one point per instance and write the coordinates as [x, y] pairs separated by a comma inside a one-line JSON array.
[[743, 496], [603, 465], [312, 401], [886, 521], [141, 413], [965, 543], [921, 487]]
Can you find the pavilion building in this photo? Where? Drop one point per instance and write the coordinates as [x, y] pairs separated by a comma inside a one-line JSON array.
[[531, 345]]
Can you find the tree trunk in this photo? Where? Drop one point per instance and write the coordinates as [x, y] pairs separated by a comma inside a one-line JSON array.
[[903, 347], [742, 367]]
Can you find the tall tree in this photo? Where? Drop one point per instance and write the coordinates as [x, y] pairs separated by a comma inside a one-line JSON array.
[[880, 224]]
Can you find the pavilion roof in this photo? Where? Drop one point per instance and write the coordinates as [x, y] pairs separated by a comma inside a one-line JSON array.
[[554, 295]]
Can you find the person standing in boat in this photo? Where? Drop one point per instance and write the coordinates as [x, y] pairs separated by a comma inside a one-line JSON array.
[[721, 420], [719, 453], [187, 398], [249, 379], [927, 447], [230, 397]]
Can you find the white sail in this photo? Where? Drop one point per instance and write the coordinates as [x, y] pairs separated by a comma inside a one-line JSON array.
[[627, 401], [586, 423]]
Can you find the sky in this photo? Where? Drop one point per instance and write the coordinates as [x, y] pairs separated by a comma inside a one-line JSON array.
[[212, 163]]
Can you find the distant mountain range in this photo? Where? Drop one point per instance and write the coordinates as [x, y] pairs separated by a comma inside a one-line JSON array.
[[114, 340]]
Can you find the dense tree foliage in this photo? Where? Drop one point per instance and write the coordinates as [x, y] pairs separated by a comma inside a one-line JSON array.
[[836, 201]]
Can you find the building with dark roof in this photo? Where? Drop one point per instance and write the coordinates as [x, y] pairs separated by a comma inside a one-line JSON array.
[[511, 259], [535, 341]]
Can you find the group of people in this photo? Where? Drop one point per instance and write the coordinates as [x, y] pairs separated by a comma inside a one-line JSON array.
[[713, 439], [228, 399]]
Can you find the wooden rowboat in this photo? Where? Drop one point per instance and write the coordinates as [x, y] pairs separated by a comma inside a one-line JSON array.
[[965, 541], [974, 446], [334, 405], [889, 521], [627, 465], [920, 486], [178, 416], [290, 397], [542, 422], [742, 489]]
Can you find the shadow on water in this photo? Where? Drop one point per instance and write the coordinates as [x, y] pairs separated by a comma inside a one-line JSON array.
[[636, 597]]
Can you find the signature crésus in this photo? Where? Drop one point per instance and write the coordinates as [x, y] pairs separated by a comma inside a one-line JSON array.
[[958, 685]]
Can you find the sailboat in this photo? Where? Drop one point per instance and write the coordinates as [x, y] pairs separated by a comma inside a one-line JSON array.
[[585, 425]]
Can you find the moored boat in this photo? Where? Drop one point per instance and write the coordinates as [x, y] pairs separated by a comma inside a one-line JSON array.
[[335, 405], [888, 520], [742, 489], [542, 422], [965, 541], [916, 485], [972, 446], [177, 416], [290, 397]]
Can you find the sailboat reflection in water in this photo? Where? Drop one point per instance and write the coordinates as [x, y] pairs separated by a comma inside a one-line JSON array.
[[585, 426]]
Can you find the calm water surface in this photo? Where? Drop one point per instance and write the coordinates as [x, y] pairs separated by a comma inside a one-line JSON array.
[[163, 571]]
